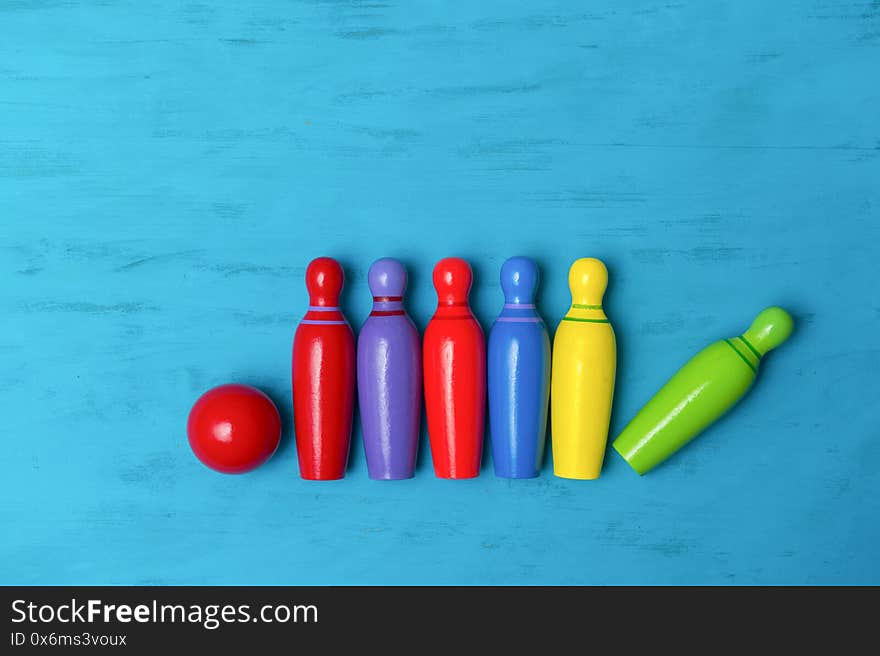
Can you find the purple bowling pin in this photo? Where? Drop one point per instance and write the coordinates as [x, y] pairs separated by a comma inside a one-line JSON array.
[[389, 377]]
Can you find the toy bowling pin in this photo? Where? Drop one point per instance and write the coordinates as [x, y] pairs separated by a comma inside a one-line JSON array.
[[455, 375], [584, 365], [389, 374], [700, 392], [518, 374], [323, 376]]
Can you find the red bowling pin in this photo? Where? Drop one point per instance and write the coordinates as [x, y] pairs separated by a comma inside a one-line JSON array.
[[454, 359], [323, 377]]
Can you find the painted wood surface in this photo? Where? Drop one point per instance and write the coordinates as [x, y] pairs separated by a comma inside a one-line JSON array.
[[167, 170]]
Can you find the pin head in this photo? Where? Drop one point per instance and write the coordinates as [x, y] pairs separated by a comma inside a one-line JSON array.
[[452, 280], [387, 277], [587, 280], [769, 329], [519, 280], [324, 278]]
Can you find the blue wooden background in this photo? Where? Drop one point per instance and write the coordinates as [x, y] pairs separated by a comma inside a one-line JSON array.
[[168, 169]]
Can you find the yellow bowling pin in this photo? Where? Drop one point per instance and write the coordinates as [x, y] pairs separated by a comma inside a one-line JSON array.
[[584, 365]]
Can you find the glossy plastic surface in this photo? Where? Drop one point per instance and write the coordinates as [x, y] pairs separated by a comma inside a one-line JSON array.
[[233, 428], [518, 375], [584, 368], [706, 387], [389, 377], [454, 356], [323, 376]]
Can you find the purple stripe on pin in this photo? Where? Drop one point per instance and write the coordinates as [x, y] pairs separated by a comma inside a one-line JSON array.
[[520, 319], [323, 308], [519, 306]]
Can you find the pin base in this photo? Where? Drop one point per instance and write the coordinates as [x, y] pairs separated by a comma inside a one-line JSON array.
[[575, 476], [637, 470], [516, 475], [322, 478], [456, 476]]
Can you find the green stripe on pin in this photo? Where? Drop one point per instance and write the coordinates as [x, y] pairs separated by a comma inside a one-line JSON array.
[[749, 346], [585, 320], [739, 353]]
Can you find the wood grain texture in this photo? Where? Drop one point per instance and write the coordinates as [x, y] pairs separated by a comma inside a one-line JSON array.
[[167, 170]]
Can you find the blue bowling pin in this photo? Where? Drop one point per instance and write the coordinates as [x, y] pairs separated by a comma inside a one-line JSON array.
[[518, 375]]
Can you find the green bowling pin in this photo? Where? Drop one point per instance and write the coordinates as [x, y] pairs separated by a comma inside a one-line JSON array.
[[700, 392]]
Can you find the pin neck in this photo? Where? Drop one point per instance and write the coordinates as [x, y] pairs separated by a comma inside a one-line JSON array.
[[746, 353], [519, 296], [459, 310], [324, 301], [387, 306], [519, 312], [750, 346], [586, 300], [318, 315], [586, 313]]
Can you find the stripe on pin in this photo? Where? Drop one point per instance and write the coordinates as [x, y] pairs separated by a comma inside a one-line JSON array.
[[386, 313], [387, 299], [742, 357], [323, 308], [519, 306], [743, 339], [585, 320], [520, 319]]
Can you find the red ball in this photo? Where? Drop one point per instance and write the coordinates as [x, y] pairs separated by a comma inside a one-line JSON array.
[[234, 428]]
